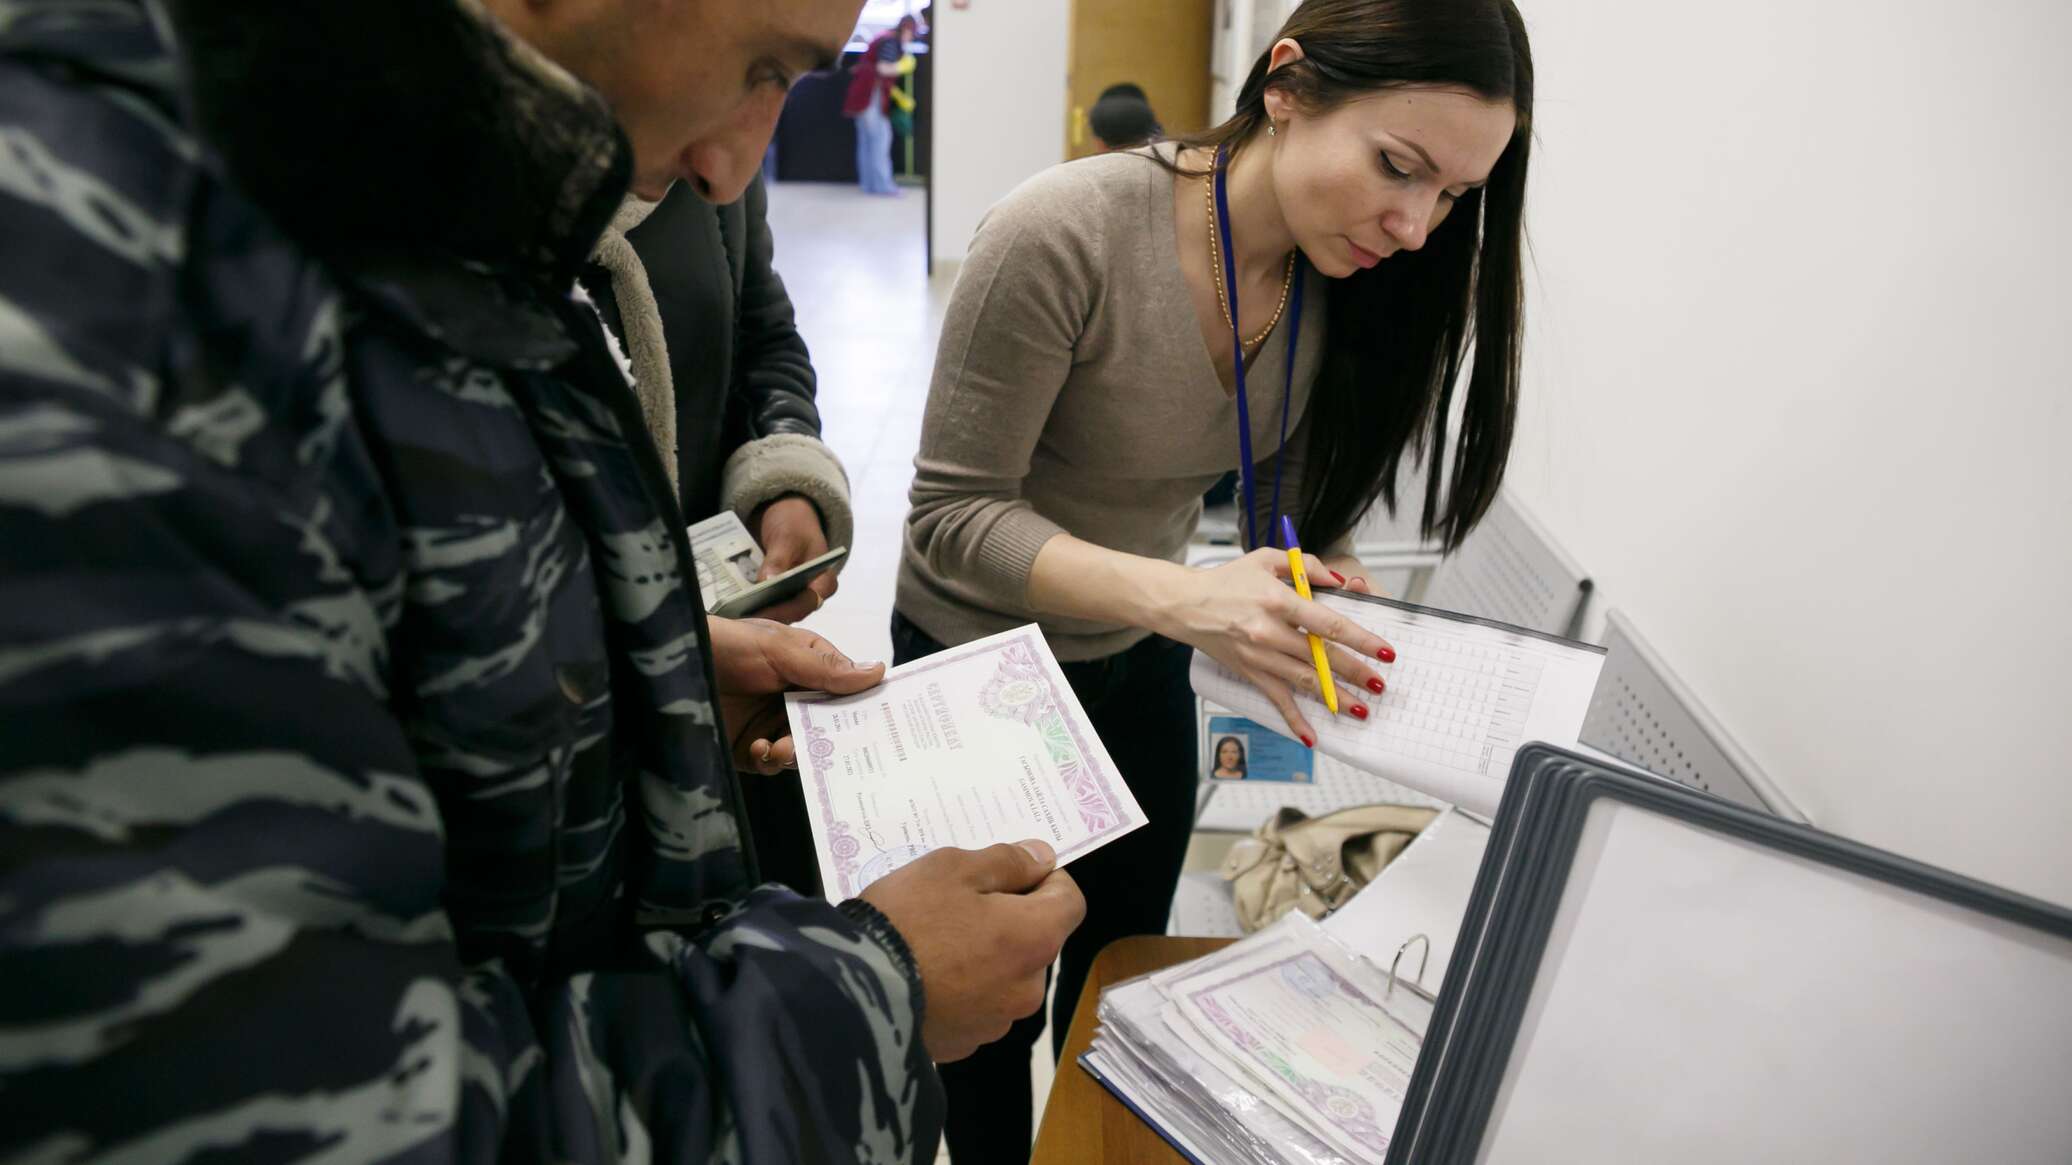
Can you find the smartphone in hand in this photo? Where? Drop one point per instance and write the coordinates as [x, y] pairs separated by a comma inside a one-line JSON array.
[[775, 590]]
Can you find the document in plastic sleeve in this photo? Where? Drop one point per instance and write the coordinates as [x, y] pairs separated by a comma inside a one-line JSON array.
[[977, 745]]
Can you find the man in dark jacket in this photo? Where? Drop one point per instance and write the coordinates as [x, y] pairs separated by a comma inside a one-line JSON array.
[[729, 385], [363, 784], [689, 291]]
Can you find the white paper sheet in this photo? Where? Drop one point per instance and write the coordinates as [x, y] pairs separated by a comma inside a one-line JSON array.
[[974, 746], [1202, 907], [1424, 891], [1463, 696], [1704, 999]]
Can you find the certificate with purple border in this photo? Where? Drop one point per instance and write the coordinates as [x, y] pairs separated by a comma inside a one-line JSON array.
[[980, 744], [1325, 1045]]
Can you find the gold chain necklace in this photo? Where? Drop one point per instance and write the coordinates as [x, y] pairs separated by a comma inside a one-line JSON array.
[[1216, 268]]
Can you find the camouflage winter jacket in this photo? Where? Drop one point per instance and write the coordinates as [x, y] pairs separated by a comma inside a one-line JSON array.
[[361, 792]]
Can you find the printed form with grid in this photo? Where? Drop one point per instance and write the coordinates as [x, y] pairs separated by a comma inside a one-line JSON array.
[[1463, 696]]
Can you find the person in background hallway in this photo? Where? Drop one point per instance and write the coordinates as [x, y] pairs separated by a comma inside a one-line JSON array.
[[869, 102], [727, 386], [366, 758], [1376, 167], [1122, 119]]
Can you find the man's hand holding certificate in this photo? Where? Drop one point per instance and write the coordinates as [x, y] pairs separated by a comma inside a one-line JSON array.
[[981, 924], [977, 745]]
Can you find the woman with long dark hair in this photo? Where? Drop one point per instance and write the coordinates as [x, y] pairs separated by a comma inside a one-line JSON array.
[[1230, 760], [1323, 285]]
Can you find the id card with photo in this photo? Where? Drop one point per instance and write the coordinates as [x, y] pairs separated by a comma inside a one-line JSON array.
[[1236, 749]]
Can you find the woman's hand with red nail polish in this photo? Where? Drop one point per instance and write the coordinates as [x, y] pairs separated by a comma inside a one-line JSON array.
[[1244, 616], [1350, 572]]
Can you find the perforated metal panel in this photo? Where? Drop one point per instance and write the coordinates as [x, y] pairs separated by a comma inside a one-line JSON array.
[[1643, 715], [1509, 569]]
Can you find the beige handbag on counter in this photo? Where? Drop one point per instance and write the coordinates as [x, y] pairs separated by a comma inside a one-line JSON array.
[[1293, 861]]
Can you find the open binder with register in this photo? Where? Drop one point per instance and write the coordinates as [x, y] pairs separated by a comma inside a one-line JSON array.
[[1644, 972]]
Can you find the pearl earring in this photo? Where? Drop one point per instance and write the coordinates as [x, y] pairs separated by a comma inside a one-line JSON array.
[[1269, 129]]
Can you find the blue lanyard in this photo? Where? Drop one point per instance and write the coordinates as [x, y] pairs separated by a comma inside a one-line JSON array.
[[1237, 348]]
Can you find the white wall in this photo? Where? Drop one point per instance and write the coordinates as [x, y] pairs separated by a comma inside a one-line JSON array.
[[1797, 380], [999, 107], [1244, 30]]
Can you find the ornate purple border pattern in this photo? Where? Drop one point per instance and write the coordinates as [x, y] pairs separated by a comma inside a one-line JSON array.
[[841, 843], [1022, 689], [1345, 1108]]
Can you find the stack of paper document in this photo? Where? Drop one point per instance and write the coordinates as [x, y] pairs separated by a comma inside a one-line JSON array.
[[1283, 1049], [1294, 1046]]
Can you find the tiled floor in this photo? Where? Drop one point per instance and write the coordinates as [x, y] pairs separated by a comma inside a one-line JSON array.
[[854, 266]]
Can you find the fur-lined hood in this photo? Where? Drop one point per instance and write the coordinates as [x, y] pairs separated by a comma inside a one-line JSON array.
[[403, 127]]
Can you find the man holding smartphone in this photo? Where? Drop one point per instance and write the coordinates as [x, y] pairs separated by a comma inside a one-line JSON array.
[[724, 377], [726, 386]]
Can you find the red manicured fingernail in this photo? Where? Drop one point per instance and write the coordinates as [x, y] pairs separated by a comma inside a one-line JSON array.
[[1339, 577], [1307, 742], [1387, 654], [1360, 710], [1375, 685]]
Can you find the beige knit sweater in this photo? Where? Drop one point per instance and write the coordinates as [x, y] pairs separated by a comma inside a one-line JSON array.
[[1072, 393]]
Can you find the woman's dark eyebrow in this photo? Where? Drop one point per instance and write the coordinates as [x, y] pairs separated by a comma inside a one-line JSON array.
[[1434, 166]]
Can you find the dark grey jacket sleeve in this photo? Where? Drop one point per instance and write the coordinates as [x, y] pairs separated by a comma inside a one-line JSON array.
[[774, 445], [773, 372]]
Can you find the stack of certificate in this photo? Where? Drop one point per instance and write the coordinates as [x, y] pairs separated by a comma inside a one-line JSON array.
[[1295, 1046], [1287, 1048]]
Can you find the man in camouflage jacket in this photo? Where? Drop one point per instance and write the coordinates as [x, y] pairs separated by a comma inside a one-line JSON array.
[[362, 788]]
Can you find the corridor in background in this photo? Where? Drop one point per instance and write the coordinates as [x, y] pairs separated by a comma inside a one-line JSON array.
[[815, 142], [854, 267]]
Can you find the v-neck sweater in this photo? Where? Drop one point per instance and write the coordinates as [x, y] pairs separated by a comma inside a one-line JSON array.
[[1073, 394]]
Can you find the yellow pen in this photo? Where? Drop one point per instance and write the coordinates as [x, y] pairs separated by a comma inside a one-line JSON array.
[[1316, 645]]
